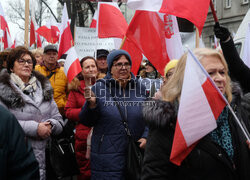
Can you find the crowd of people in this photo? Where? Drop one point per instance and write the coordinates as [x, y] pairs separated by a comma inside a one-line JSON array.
[[105, 101]]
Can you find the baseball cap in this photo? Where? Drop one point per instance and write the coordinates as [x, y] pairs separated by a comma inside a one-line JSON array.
[[102, 53], [50, 47]]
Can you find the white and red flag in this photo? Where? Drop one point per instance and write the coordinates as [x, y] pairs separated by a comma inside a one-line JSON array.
[[4, 27], [193, 10], [50, 31], [110, 21], [201, 103], [94, 20], [66, 46], [34, 36], [157, 36]]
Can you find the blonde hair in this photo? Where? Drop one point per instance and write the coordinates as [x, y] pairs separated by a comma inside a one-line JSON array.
[[37, 51], [172, 90]]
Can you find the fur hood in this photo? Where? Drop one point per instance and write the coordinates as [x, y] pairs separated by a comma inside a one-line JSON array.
[[162, 113], [12, 98]]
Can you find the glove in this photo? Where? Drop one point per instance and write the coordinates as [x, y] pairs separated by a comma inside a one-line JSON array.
[[221, 32]]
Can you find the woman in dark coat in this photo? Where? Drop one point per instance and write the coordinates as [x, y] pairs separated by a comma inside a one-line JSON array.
[[239, 71], [222, 154], [109, 140]]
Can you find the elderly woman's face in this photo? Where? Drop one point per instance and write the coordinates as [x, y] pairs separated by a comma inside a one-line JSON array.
[[23, 67], [121, 68], [216, 70]]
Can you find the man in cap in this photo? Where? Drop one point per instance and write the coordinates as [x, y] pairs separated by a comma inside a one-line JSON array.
[[101, 60], [52, 70]]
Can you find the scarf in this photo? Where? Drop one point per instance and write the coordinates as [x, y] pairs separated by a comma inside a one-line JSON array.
[[222, 135], [27, 88]]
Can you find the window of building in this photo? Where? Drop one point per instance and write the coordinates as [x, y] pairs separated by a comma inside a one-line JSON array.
[[245, 1], [228, 3]]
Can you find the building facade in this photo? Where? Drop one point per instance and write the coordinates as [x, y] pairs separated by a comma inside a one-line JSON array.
[[230, 14]]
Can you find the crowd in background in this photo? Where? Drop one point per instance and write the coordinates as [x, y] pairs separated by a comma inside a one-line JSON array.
[[100, 104]]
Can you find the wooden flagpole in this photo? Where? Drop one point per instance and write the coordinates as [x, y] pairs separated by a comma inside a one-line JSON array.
[[197, 38], [123, 41], [26, 34]]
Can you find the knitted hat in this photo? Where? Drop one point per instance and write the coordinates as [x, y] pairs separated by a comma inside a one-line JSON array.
[[112, 55], [171, 64]]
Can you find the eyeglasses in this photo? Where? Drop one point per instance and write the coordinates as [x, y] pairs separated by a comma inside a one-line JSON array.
[[23, 61], [120, 65]]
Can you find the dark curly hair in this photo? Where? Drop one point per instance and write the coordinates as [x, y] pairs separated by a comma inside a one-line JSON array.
[[17, 53]]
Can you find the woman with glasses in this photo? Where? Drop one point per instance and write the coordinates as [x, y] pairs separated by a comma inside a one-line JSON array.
[[29, 96], [116, 98]]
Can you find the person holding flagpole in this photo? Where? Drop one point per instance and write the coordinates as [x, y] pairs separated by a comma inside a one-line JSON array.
[[222, 152], [239, 71]]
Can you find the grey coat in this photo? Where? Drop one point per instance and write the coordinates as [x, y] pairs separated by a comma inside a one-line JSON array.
[[31, 111]]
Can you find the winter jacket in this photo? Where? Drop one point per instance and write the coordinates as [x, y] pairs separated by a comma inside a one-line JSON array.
[[59, 84], [17, 160], [109, 140], [206, 161], [31, 111], [72, 110], [237, 68]]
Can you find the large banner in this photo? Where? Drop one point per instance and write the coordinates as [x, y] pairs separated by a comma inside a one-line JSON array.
[[86, 42]]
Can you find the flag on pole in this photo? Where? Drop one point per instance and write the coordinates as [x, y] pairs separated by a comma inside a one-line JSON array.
[[110, 21], [193, 10], [34, 36], [200, 105], [94, 20], [157, 36], [50, 31], [66, 46], [4, 27], [246, 48]]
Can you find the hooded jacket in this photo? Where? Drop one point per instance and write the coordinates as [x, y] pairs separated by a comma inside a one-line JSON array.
[[109, 140], [31, 111], [206, 161]]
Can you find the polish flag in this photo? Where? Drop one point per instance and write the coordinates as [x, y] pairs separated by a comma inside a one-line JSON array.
[[66, 46], [34, 36], [193, 10], [4, 27], [246, 48], [201, 103], [148, 30], [50, 31], [110, 21], [135, 53], [94, 20]]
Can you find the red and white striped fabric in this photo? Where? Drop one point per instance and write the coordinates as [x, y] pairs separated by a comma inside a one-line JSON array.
[[50, 31], [4, 27], [193, 10], [34, 36], [110, 21], [200, 105], [147, 30], [66, 46], [94, 20]]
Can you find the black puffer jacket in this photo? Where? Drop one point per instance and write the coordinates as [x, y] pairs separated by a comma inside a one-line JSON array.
[[206, 161]]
